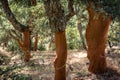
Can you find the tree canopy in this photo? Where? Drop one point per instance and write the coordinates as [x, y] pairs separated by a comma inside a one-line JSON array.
[[111, 7]]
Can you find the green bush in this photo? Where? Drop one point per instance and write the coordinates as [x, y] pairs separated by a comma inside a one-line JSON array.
[[41, 47], [20, 77], [73, 38], [12, 46]]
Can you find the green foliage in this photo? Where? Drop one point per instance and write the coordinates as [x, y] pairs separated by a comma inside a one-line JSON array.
[[114, 33], [112, 7], [3, 58], [41, 47], [22, 3], [12, 46], [22, 12], [20, 77], [73, 39], [15, 76]]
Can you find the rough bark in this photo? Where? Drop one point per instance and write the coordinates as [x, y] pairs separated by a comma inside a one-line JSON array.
[[79, 26], [96, 34], [56, 15], [71, 10], [52, 41], [61, 56]]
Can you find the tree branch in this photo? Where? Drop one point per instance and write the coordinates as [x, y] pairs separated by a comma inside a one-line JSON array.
[[33, 2], [71, 10], [13, 34], [90, 8], [32, 17], [10, 16]]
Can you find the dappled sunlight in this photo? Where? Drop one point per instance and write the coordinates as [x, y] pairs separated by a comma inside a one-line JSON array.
[[3, 51], [59, 39], [41, 65], [74, 57], [81, 54]]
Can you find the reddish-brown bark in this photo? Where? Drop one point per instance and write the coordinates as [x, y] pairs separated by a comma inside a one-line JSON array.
[[96, 35], [61, 56], [26, 42], [35, 42], [25, 45], [57, 21]]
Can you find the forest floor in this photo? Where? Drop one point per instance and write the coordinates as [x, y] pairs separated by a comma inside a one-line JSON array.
[[40, 67]]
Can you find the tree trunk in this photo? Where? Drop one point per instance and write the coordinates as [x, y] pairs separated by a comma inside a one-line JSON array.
[[61, 56], [57, 20], [79, 26], [26, 45], [96, 34], [35, 42], [52, 40], [26, 30]]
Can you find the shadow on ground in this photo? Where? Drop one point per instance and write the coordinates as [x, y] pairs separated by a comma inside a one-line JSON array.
[[110, 74]]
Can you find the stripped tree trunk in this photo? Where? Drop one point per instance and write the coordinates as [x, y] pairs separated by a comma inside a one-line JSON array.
[[24, 45], [27, 46], [35, 42], [61, 56], [57, 20], [96, 34]]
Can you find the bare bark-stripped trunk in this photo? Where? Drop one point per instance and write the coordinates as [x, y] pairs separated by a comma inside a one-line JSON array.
[[79, 26], [96, 34], [26, 43], [57, 20], [61, 56], [35, 42]]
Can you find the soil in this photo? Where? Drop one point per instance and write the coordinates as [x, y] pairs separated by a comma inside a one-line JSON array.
[[40, 67]]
